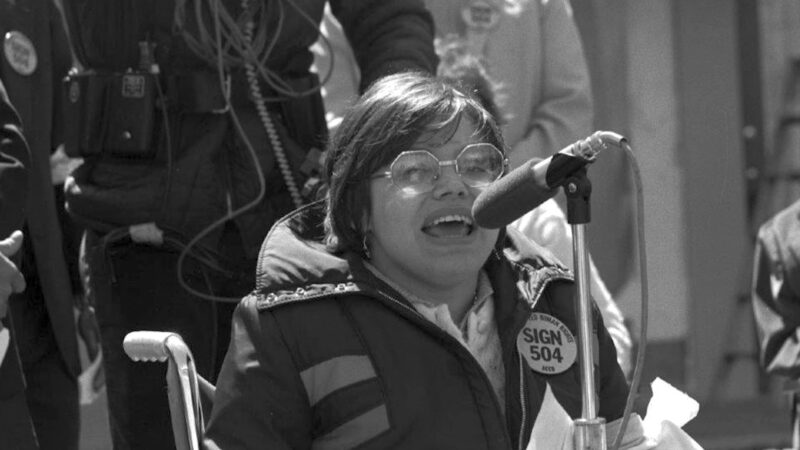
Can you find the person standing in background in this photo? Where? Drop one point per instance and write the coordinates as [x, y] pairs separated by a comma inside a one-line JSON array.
[[36, 57], [776, 292], [533, 50], [211, 130], [15, 420], [775, 296], [532, 53]]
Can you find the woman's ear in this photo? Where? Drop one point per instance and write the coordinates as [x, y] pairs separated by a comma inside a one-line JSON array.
[[365, 232], [366, 221]]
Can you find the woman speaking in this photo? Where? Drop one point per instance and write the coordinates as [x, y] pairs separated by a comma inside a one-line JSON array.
[[383, 317]]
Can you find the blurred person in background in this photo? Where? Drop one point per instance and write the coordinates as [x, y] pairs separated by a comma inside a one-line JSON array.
[[776, 301], [36, 57], [15, 420], [210, 129]]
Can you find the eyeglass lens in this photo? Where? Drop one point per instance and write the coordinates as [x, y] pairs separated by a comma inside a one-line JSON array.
[[478, 165]]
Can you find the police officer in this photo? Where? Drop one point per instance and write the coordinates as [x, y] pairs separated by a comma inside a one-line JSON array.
[[35, 58], [200, 125]]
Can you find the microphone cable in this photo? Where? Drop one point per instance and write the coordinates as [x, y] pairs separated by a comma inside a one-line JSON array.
[[266, 120], [238, 48], [642, 256]]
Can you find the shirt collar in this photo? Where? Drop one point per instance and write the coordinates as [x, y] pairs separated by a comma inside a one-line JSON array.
[[483, 292]]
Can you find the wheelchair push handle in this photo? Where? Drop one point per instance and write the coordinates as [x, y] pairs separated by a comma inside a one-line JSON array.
[[153, 345], [184, 395]]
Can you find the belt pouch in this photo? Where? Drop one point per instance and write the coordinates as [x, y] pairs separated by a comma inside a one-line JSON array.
[[130, 115], [84, 99]]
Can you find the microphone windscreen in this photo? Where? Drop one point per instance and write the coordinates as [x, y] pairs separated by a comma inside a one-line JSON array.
[[510, 197]]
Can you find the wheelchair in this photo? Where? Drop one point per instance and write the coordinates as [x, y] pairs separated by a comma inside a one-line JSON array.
[[190, 395]]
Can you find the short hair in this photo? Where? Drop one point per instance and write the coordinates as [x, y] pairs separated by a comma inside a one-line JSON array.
[[388, 119]]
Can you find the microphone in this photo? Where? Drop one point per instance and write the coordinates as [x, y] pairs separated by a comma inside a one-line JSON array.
[[536, 181]]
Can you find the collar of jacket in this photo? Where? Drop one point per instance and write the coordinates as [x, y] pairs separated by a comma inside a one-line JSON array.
[[296, 265]]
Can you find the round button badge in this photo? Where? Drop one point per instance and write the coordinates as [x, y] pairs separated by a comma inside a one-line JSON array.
[[20, 53], [547, 344], [480, 15]]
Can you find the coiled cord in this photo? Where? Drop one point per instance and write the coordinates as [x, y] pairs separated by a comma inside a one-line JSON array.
[[269, 126]]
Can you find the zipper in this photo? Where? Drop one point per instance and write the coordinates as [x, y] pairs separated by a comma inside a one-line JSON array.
[[522, 364], [404, 306], [229, 203], [453, 340]]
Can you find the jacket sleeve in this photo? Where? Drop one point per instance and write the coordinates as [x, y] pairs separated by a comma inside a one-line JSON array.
[[14, 159], [387, 36], [776, 293], [260, 401], [565, 112]]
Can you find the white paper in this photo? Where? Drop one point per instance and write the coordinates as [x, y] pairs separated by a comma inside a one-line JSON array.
[[552, 429], [668, 403], [669, 409]]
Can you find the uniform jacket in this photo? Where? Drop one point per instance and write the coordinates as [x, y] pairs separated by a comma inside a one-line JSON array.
[[212, 171], [325, 355], [776, 292], [35, 98]]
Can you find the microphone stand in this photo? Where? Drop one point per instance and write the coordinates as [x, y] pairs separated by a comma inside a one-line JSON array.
[[589, 430]]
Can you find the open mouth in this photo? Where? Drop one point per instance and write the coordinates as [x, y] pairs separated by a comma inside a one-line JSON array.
[[450, 226]]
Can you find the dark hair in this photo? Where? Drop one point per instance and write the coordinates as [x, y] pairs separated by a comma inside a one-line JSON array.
[[388, 119]]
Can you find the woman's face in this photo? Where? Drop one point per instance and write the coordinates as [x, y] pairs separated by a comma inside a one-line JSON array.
[[429, 237]]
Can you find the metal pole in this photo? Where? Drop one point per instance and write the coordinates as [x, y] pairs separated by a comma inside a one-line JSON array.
[[589, 431], [584, 310]]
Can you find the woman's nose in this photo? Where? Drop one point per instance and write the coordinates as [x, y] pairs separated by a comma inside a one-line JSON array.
[[449, 183]]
